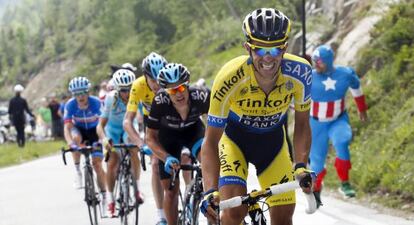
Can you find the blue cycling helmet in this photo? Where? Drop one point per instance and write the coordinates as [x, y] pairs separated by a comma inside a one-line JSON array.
[[152, 64], [325, 54], [173, 73], [123, 78], [79, 84]]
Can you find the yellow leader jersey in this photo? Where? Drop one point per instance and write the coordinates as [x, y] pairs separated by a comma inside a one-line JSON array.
[[237, 100], [140, 92]]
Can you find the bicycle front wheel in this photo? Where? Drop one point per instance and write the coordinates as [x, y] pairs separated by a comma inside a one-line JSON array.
[[129, 201], [90, 197]]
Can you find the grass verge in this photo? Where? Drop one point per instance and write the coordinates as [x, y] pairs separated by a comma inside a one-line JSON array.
[[10, 154]]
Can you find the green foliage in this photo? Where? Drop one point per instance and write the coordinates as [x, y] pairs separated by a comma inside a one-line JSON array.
[[383, 149]]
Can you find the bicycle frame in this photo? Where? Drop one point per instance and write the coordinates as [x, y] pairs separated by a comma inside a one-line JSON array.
[[251, 200], [91, 198]]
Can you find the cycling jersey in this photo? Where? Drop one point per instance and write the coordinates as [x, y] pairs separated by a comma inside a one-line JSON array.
[[114, 110], [163, 113], [237, 99], [83, 118], [253, 121], [140, 92]]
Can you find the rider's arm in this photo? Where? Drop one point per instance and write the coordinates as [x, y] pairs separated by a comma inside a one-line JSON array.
[[301, 136], [67, 132], [210, 157], [100, 128], [151, 138], [129, 128]]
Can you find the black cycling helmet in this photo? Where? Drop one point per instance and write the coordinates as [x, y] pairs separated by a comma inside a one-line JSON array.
[[266, 25]]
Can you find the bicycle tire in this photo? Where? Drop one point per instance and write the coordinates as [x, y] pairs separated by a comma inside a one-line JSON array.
[[134, 201], [90, 197]]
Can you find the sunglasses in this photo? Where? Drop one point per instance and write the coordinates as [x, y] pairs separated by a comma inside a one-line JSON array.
[[180, 88], [80, 93], [125, 90], [262, 51]]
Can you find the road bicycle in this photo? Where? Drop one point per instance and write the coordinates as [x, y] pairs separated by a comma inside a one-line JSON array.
[[91, 196], [126, 190], [253, 198], [190, 203]]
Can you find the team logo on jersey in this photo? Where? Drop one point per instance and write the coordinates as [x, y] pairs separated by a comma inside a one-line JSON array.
[[162, 99], [227, 85], [199, 95], [244, 91], [254, 89], [289, 85], [261, 121], [260, 103]]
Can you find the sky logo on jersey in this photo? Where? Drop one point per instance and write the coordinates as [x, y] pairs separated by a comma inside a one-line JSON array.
[[199, 95], [162, 99], [221, 92]]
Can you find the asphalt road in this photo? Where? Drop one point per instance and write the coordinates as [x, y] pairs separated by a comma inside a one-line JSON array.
[[41, 193]]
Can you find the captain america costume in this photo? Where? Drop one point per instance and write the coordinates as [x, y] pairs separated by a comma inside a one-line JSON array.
[[328, 116]]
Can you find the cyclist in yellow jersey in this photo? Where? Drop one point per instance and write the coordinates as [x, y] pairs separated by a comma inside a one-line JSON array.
[[143, 91], [249, 103]]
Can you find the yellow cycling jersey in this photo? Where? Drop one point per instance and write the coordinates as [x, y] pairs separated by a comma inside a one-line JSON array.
[[140, 92], [237, 99]]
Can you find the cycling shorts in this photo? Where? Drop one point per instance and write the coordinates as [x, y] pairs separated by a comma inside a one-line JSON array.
[[268, 152], [174, 141], [88, 137], [117, 135]]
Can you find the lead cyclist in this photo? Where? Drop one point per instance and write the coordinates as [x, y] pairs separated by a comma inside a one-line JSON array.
[[249, 101]]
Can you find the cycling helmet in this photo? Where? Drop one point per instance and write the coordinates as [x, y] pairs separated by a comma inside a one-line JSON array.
[[266, 25], [79, 84], [18, 88], [173, 73], [325, 54], [129, 66], [152, 64], [123, 78]]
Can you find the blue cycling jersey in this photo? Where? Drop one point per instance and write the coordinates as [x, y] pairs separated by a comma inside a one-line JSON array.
[[83, 118], [114, 110]]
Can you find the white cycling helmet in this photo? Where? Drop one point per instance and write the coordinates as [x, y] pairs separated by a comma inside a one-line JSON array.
[[18, 88], [79, 84], [129, 66], [123, 78]]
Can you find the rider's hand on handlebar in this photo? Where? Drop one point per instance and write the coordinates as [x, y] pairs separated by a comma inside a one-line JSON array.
[[170, 164], [107, 145], [305, 177], [209, 204], [73, 146]]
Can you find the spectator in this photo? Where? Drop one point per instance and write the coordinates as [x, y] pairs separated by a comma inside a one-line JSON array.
[[45, 116], [17, 107], [57, 126]]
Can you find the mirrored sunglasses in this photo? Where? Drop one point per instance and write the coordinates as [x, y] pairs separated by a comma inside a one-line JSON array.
[[262, 51], [180, 88]]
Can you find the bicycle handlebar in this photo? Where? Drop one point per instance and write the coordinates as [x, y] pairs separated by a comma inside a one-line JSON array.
[[188, 167], [82, 150], [273, 190], [128, 146]]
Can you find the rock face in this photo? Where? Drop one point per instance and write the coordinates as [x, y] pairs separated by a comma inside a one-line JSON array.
[[54, 76], [346, 27]]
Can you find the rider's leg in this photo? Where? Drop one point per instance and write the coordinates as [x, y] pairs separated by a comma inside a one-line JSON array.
[[233, 215], [156, 186], [282, 214], [135, 165], [170, 201], [100, 173], [112, 167], [186, 159]]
